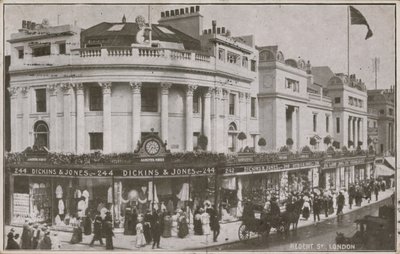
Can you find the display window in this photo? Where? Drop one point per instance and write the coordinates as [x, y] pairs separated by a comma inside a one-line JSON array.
[[330, 179], [299, 181]]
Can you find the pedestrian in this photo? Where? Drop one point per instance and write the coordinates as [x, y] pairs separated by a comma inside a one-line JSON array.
[[340, 205], [205, 222], [35, 236], [326, 205], [146, 226], [351, 192], [376, 191], [183, 229], [368, 192], [108, 232], [214, 221], [156, 230], [76, 233], [134, 220], [316, 207], [11, 240], [87, 224], [55, 242], [97, 229], [198, 230], [383, 185], [140, 240], [306, 208], [26, 237], [45, 242], [167, 225]]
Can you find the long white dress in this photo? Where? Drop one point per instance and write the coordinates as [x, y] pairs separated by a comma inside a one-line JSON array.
[[140, 240], [205, 221]]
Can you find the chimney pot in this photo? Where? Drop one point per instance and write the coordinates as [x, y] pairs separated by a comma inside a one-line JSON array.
[[218, 30], [28, 24], [191, 9], [182, 11], [223, 30], [197, 8], [33, 24], [166, 13], [205, 31], [214, 25], [23, 23], [209, 31]]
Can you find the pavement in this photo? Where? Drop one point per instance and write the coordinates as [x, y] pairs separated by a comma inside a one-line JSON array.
[[228, 234]]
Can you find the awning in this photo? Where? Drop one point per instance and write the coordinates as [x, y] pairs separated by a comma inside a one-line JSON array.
[[390, 162], [382, 170]]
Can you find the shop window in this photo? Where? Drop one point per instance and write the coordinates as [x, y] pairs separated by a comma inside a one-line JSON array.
[[41, 134], [96, 140], [41, 51], [149, 99], [253, 65], [253, 107], [337, 125], [20, 53], [40, 100], [232, 102], [337, 100], [95, 99], [62, 48], [315, 122]]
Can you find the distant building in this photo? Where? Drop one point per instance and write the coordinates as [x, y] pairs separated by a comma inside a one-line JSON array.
[[7, 127], [381, 129]]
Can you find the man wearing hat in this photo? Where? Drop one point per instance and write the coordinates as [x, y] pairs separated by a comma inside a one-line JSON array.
[[340, 204], [26, 237], [35, 236], [45, 243], [108, 233], [11, 243]]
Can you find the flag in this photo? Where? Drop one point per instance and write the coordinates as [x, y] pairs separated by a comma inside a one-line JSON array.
[[358, 19]]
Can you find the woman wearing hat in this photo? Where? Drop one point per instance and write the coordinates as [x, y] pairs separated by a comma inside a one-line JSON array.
[[108, 233], [26, 237], [11, 243], [183, 229], [198, 230], [45, 243], [140, 240]]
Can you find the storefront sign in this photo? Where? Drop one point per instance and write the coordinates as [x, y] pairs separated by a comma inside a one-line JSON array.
[[115, 172], [343, 163], [269, 168]]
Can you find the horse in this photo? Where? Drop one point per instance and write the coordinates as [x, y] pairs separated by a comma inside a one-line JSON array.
[[292, 215]]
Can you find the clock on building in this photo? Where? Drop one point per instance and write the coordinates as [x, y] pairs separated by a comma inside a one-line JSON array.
[[152, 147]]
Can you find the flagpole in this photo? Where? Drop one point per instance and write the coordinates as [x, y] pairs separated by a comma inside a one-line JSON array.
[[348, 42]]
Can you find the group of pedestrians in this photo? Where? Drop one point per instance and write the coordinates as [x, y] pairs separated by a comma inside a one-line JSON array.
[[34, 236], [206, 220]]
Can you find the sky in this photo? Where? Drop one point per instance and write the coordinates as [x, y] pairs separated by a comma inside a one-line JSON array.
[[313, 32]]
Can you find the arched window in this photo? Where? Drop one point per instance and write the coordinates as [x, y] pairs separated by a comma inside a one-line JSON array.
[[41, 134], [232, 133]]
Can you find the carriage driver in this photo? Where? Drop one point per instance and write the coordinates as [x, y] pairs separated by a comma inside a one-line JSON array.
[[275, 210], [267, 206]]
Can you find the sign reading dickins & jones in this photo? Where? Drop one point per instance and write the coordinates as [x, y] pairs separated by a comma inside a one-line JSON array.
[[115, 172], [343, 163], [270, 167]]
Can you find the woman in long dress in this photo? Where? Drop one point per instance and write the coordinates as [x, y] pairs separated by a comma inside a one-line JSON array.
[[174, 231], [167, 226], [183, 229], [205, 222], [198, 229], [306, 208], [140, 240]]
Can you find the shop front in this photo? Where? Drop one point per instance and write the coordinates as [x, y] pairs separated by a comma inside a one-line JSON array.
[[257, 182], [60, 195]]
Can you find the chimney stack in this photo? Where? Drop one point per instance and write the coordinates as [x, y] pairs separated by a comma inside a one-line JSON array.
[[197, 8], [214, 26], [218, 30], [166, 13], [28, 24], [23, 23], [182, 11], [223, 30]]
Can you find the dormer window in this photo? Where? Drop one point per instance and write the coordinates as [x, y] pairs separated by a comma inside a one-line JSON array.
[[20, 53], [42, 50]]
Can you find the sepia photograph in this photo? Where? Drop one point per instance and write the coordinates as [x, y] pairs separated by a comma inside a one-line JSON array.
[[199, 127]]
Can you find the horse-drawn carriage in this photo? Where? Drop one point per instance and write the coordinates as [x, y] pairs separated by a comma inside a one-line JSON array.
[[373, 232], [256, 221]]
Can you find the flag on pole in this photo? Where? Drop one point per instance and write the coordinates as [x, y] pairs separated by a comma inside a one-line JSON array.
[[358, 19]]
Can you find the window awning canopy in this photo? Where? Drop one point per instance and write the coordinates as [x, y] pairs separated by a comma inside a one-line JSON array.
[[382, 170]]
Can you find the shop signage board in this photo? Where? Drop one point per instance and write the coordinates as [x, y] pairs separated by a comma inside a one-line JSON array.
[[251, 169], [65, 172], [343, 163]]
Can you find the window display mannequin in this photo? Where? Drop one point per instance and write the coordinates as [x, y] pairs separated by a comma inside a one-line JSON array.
[[143, 199]]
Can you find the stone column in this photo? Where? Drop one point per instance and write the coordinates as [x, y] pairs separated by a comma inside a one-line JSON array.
[[107, 138], [223, 109], [164, 110], [136, 112], [337, 173], [355, 132], [67, 133], [25, 126], [15, 136], [295, 114], [248, 112], [350, 130], [189, 116], [80, 119], [52, 88], [242, 112], [207, 117]]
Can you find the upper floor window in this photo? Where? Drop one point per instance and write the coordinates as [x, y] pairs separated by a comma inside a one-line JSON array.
[[62, 48], [233, 58], [196, 101], [41, 134], [20, 53], [232, 101], [253, 65], [221, 54], [245, 61], [337, 100], [292, 85], [95, 99], [327, 123], [390, 112], [337, 125], [374, 124], [314, 122], [41, 51], [253, 107], [351, 100], [144, 135], [96, 140], [40, 100], [382, 112], [149, 99]]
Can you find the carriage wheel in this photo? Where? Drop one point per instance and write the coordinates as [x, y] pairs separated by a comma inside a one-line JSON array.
[[244, 233]]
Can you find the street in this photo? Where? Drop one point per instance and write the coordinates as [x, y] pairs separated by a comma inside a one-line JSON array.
[[319, 237]]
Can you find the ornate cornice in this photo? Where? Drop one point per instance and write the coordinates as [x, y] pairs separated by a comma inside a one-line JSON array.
[[52, 88], [66, 88], [24, 91], [13, 91], [190, 89], [165, 86], [106, 87]]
